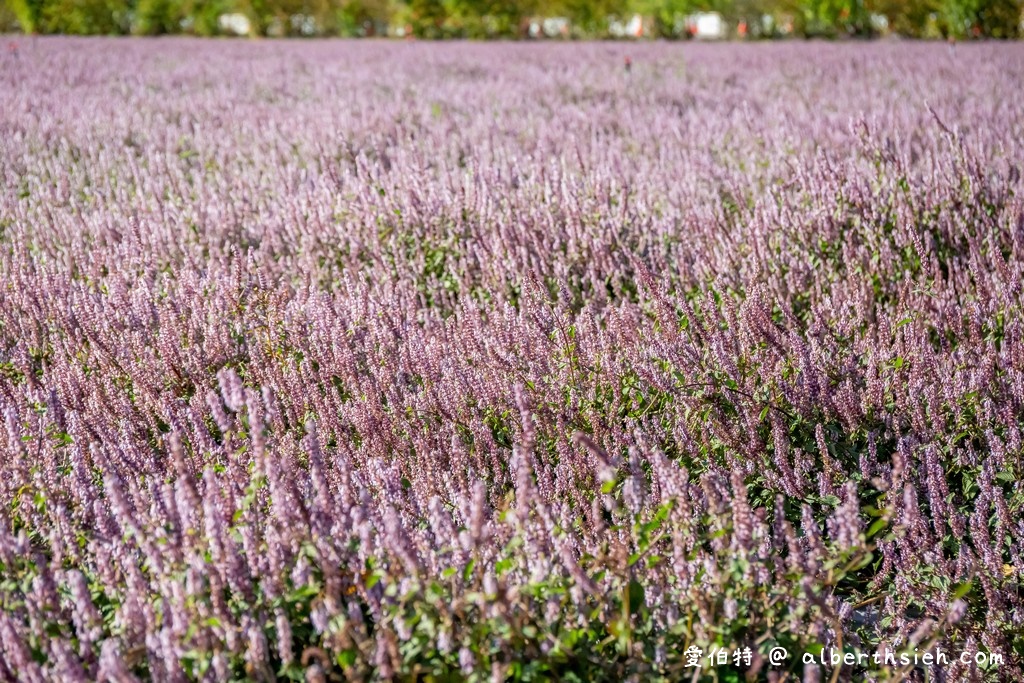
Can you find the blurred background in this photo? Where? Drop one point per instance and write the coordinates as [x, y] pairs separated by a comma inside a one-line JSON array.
[[524, 19]]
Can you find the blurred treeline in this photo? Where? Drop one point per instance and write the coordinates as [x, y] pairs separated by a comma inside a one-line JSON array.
[[512, 18]]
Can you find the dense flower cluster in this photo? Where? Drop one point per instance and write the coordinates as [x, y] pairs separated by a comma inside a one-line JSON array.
[[337, 361]]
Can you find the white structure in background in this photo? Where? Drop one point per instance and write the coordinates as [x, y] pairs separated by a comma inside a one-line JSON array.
[[303, 24], [707, 26], [555, 27], [634, 28], [234, 24], [549, 27]]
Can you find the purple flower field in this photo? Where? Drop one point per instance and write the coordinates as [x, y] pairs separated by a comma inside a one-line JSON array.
[[334, 361]]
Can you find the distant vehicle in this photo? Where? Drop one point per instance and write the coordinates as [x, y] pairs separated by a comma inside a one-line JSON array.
[[549, 27], [706, 26], [634, 28]]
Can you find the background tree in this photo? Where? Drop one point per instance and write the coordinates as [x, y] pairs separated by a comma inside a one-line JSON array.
[[500, 18], [1000, 18], [8, 19], [28, 13], [85, 17], [591, 16], [833, 17], [359, 17], [958, 17], [155, 17], [427, 17], [905, 17]]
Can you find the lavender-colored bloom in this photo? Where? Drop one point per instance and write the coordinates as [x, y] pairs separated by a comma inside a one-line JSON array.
[[845, 525], [504, 344]]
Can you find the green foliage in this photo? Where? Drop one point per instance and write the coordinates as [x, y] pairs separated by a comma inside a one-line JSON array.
[[509, 18], [27, 13], [548, 629], [154, 17], [84, 17]]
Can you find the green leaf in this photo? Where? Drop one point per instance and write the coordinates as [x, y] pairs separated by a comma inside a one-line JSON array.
[[963, 589], [636, 596], [877, 526], [303, 593]]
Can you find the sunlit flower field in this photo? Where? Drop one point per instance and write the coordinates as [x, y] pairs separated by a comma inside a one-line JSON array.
[[342, 361]]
